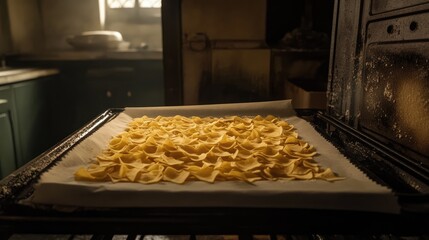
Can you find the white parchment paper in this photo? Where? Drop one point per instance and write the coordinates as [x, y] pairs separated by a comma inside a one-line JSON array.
[[357, 192]]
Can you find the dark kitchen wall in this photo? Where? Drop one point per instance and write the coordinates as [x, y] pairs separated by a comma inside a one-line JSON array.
[[39, 25], [25, 25], [29, 26], [63, 18], [44, 25], [5, 36], [20, 26]]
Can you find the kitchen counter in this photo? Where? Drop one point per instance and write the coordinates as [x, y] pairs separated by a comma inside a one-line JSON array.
[[75, 55], [74, 59], [13, 75]]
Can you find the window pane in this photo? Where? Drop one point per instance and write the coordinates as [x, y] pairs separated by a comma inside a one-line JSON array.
[[128, 3], [113, 4], [120, 3], [150, 3]]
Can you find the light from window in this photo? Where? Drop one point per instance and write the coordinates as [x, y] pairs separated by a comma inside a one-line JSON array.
[[130, 3], [150, 3], [120, 3]]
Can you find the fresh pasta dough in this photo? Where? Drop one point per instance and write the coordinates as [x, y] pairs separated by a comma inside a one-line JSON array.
[[179, 149]]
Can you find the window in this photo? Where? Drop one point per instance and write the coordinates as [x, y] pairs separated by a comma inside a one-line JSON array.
[[143, 11], [134, 3], [139, 22]]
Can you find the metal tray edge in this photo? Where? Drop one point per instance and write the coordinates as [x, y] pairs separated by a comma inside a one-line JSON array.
[[14, 184]]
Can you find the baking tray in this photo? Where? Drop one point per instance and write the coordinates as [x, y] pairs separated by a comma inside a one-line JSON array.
[[16, 218], [356, 192]]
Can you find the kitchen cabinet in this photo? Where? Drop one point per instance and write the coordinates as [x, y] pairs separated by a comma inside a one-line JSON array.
[[8, 148], [32, 107], [94, 89], [26, 112], [89, 83]]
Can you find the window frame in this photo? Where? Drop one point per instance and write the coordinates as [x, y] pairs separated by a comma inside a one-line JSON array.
[[135, 14]]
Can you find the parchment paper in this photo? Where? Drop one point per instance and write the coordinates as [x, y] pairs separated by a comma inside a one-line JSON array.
[[357, 192]]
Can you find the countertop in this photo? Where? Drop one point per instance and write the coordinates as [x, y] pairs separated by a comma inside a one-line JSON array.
[[13, 75], [75, 55]]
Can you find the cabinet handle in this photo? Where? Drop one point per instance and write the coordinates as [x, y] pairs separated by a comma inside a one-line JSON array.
[[3, 101]]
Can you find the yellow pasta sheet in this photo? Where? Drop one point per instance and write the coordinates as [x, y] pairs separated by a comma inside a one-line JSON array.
[[179, 149], [355, 191]]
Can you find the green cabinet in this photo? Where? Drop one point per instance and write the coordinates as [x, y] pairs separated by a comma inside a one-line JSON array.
[[32, 107], [8, 148], [26, 122], [37, 113], [95, 89]]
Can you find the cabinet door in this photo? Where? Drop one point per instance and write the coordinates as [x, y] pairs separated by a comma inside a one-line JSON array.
[[7, 149], [147, 89], [7, 146], [136, 85], [32, 110]]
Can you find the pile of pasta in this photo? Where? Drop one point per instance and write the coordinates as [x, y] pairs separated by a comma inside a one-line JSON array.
[[179, 149]]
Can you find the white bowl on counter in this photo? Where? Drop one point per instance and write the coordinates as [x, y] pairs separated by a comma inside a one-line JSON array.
[[96, 40]]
